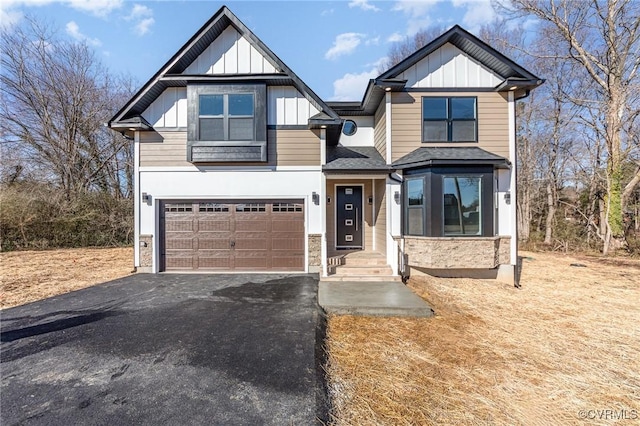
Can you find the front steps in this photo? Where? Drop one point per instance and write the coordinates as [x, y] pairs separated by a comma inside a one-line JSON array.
[[359, 266]]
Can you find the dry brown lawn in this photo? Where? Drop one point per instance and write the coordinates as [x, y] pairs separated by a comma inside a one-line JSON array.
[[563, 347], [27, 276]]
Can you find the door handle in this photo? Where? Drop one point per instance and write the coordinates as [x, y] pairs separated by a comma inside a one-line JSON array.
[[357, 219], [233, 243]]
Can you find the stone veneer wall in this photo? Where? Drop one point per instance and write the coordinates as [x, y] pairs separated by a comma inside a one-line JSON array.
[[146, 253], [315, 252], [457, 252]]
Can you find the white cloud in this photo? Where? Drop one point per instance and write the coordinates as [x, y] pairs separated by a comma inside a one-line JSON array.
[[479, 12], [351, 87], [143, 17], [144, 26], [364, 5], [95, 7], [394, 38], [344, 44], [327, 12], [373, 41], [418, 13], [74, 31], [9, 18], [9, 15]]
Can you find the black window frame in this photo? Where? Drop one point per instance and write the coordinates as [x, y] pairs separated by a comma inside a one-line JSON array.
[[433, 193], [226, 149], [450, 120]]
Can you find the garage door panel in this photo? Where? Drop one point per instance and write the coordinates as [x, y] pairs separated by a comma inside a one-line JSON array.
[[214, 225], [213, 261], [287, 244], [180, 243], [180, 261], [287, 262], [288, 226], [214, 241], [258, 224], [215, 235], [251, 261], [176, 225]]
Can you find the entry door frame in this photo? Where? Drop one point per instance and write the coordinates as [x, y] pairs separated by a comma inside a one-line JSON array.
[[335, 216]]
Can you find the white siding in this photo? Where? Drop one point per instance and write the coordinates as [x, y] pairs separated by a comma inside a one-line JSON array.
[[287, 106], [449, 67], [364, 135], [169, 110], [231, 53]]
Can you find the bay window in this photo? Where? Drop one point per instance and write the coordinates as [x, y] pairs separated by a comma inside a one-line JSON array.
[[449, 202]]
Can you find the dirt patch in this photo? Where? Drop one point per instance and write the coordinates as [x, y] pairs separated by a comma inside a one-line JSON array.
[[28, 276], [564, 347]]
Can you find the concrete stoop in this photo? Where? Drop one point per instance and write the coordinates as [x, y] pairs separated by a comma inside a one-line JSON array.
[[360, 267]]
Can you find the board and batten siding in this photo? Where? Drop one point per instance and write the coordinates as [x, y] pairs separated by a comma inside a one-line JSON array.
[[169, 110], [380, 129], [287, 106], [231, 53], [406, 119], [448, 66], [284, 148]]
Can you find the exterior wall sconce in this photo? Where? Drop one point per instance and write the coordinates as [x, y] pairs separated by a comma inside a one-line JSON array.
[[146, 198], [396, 197], [370, 199], [507, 197], [315, 197]]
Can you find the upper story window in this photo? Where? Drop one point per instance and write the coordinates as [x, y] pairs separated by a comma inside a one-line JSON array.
[[449, 119], [227, 123], [226, 117]]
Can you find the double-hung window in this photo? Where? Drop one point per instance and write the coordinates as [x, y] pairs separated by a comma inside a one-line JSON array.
[[449, 119], [227, 123]]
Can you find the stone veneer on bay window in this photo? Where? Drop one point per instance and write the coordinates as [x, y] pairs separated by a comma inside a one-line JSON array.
[[457, 253]]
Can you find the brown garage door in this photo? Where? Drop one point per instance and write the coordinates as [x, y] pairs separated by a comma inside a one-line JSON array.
[[241, 235]]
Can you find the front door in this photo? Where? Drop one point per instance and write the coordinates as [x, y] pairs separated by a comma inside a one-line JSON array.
[[349, 217]]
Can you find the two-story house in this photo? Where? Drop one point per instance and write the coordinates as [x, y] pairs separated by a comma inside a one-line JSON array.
[[240, 166]]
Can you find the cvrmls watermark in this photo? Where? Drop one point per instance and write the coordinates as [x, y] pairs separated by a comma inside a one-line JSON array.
[[609, 414]]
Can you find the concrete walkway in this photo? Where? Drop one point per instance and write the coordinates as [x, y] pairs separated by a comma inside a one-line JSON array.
[[392, 299]]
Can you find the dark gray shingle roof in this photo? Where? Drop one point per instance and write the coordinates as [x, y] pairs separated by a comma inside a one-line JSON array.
[[350, 159], [431, 156]]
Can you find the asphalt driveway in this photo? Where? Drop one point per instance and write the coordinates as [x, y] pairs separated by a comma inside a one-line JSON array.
[[167, 349]]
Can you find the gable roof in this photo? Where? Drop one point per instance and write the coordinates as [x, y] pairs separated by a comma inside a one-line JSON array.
[[170, 75], [513, 75], [472, 46]]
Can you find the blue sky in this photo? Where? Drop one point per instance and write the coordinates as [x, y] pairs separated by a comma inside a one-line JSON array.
[[335, 47]]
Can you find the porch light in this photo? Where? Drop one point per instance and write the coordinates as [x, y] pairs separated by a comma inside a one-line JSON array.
[[513, 87], [315, 197], [396, 197]]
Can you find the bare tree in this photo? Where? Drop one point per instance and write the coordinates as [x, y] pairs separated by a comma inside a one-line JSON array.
[[409, 45], [55, 97], [603, 39]]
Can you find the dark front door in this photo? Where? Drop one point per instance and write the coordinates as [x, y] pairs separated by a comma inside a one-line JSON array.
[[349, 217]]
